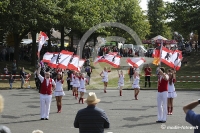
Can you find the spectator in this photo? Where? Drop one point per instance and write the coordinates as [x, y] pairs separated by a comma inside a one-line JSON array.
[[191, 116], [22, 76], [5, 70], [11, 80], [147, 71], [3, 129], [3, 52], [131, 72], [37, 131], [88, 70], [91, 119], [14, 67]]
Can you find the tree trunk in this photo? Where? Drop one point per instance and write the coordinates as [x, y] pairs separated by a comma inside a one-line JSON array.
[[198, 37], [62, 38], [33, 54], [72, 41], [49, 41], [16, 48]]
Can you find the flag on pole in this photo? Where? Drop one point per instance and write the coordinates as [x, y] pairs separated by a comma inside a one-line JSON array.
[[111, 58], [135, 62], [41, 40]]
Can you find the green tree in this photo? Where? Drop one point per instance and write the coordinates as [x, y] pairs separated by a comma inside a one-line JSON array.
[[157, 19], [130, 14], [29, 16], [185, 17]]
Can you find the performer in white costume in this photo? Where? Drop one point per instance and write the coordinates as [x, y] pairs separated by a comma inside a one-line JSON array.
[[76, 84], [46, 88], [162, 96], [82, 88], [104, 75], [136, 83], [171, 90], [120, 81], [59, 93]]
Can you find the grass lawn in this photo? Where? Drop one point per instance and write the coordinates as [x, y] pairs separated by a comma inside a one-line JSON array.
[[190, 69]]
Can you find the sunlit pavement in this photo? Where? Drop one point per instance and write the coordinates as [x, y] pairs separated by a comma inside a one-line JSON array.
[[126, 115]]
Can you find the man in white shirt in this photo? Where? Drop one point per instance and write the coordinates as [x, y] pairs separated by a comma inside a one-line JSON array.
[[46, 89]]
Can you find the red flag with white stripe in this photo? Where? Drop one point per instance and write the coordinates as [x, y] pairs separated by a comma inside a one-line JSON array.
[[135, 62], [166, 57], [112, 59], [42, 39]]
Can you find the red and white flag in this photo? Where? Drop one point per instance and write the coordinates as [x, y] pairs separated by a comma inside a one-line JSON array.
[[176, 59], [171, 58], [47, 56], [41, 40], [135, 62], [74, 63], [80, 64], [58, 60], [112, 59]]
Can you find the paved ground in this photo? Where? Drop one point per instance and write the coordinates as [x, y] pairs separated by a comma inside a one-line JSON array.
[[21, 113]]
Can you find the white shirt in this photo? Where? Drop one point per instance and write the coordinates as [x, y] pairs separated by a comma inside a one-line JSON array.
[[47, 80]]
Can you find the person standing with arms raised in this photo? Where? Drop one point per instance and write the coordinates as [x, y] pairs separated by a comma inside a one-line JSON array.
[[104, 75], [47, 87], [162, 96]]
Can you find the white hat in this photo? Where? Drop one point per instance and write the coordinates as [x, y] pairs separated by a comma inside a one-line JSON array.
[[92, 98]]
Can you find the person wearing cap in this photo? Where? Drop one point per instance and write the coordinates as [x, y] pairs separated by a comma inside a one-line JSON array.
[[91, 119], [59, 93], [162, 96], [47, 87], [3, 129]]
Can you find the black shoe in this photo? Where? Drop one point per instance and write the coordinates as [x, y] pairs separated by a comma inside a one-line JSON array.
[[42, 119], [158, 121], [163, 121], [46, 119]]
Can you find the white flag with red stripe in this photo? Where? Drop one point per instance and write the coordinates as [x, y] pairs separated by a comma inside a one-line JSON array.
[[80, 64], [74, 63], [111, 58], [42, 39], [176, 59], [47, 57], [135, 62]]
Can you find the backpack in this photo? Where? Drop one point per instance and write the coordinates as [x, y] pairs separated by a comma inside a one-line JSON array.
[[87, 69]]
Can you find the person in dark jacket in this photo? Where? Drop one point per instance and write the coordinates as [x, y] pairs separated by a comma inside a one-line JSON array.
[[91, 119]]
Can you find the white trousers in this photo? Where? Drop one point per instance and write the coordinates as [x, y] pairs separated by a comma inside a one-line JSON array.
[[162, 105], [45, 103]]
